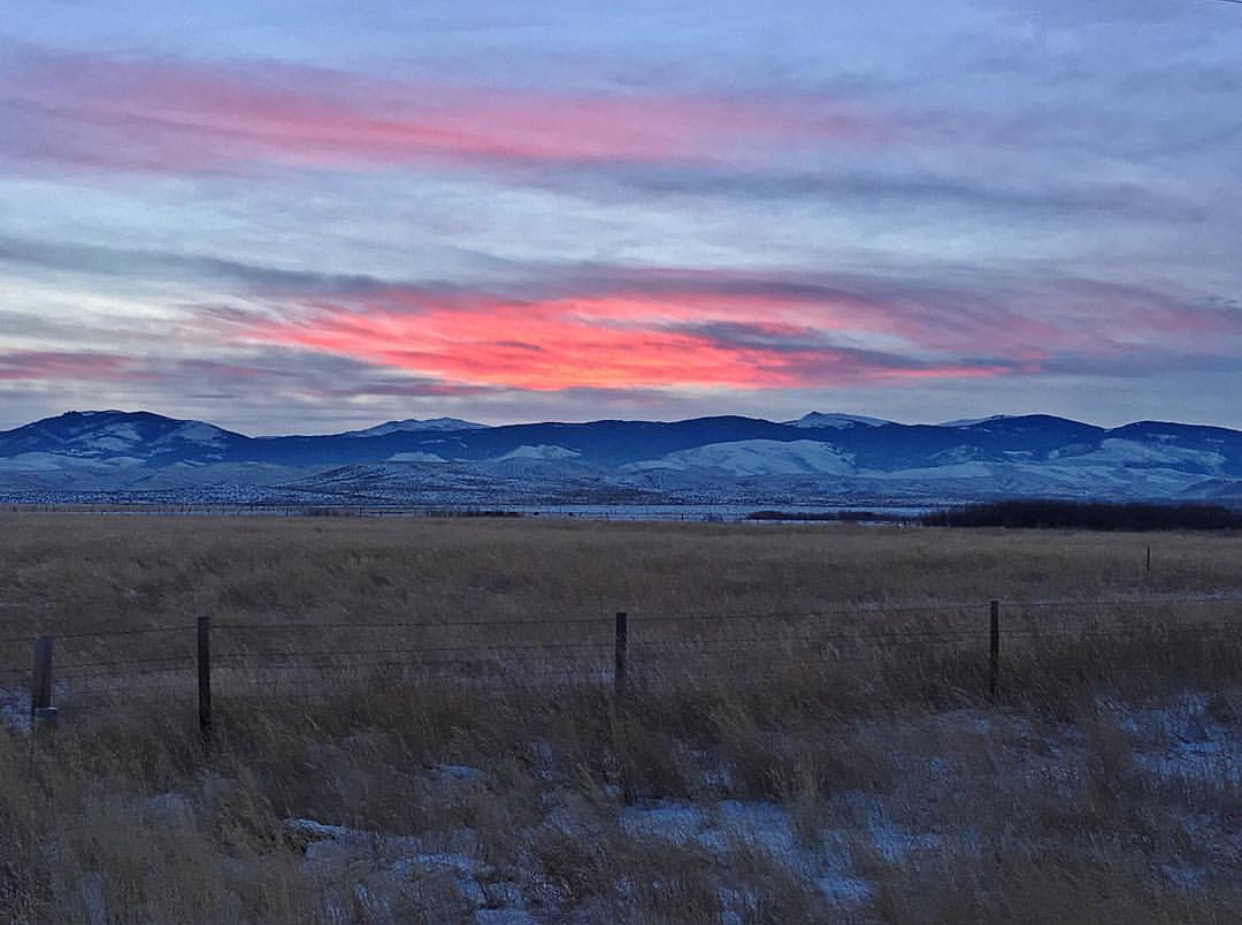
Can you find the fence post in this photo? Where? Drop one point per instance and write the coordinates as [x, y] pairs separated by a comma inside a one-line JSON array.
[[619, 731], [41, 709], [620, 657], [994, 653], [204, 676]]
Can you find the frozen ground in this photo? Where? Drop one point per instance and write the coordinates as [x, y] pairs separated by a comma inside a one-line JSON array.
[[846, 824], [933, 791]]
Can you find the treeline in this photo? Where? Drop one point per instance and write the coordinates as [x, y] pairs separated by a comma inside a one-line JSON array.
[[1087, 515]]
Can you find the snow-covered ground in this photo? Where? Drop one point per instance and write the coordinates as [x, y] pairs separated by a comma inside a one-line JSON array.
[[948, 779], [866, 813]]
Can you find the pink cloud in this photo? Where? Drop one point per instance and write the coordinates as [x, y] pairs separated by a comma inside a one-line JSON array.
[[179, 116], [622, 340], [39, 365], [662, 329]]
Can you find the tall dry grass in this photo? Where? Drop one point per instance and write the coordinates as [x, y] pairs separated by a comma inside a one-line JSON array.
[[104, 572], [1097, 790]]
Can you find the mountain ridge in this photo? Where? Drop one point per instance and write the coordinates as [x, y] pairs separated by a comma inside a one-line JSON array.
[[818, 456]]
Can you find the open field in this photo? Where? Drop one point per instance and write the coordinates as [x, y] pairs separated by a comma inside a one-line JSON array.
[[110, 572], [416, 723]]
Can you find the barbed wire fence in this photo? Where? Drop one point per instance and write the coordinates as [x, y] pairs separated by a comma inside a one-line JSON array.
[[983, 643]]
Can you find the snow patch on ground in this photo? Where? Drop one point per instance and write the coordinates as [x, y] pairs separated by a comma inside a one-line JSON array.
[[15, 709], [1188, 743], [760, 826], [390, 873], [1184, 743]]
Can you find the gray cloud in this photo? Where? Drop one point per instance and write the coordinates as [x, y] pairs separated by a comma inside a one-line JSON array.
[[1019, 198], [118, 262]]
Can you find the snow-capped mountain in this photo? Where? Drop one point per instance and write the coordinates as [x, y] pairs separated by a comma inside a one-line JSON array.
[[412, 426], [112, 435], [970, 422], [816, 459], [837, 421]]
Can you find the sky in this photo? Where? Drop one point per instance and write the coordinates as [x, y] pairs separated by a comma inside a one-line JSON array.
[[312, 216]]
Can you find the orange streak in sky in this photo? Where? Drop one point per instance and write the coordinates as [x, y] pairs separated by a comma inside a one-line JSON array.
[[600, 342], [530, 347]]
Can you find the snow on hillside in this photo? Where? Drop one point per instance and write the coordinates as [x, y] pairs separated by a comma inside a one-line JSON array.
[[542, 451], [193, 432], [415, 457], [1117, 452], [756, 457], [727, 460], [971, 422], [115, 439], [415, 426], [837, 421], [949, 470], [1074, 478]]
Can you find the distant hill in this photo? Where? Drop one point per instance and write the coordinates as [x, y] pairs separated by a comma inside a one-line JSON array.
[[818, 458], [413, 426]]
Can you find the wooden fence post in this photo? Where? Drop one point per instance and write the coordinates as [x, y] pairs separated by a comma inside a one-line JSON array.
[[204, 676], [994, 653], [619, 731], [620, 657], [41, 709]]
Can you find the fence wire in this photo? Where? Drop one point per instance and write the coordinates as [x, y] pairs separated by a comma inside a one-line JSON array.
[[314, 657]]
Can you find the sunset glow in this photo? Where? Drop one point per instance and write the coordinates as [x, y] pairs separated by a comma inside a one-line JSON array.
[[274, 217], [602, 343], [94, 112]]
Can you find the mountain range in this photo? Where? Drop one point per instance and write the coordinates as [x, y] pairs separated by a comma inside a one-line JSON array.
[[819, 459]]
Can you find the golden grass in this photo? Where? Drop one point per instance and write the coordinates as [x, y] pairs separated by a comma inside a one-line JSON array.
[[1042, 809], [104, 572]]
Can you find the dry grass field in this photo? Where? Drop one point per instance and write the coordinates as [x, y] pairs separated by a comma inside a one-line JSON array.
[[415, 722]]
